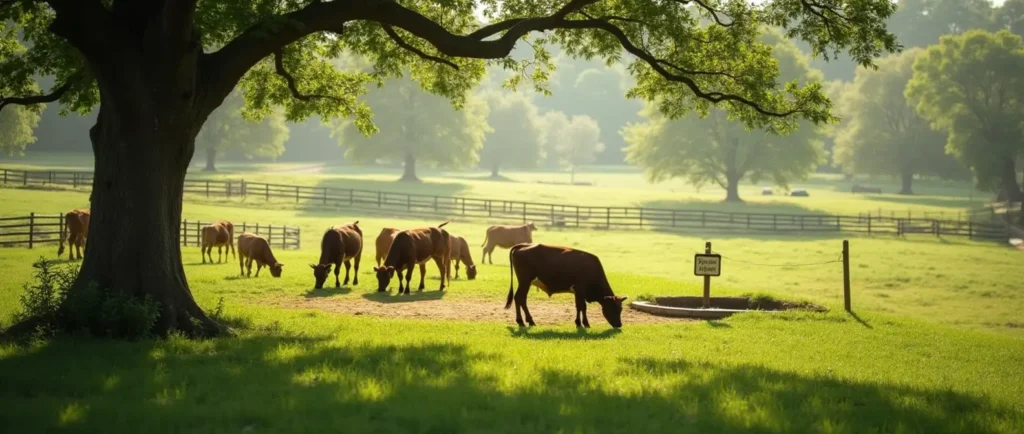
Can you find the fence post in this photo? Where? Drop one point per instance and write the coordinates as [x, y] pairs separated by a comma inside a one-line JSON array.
[[207, 188], [5, 176], [970, 230], [408, 202], [552, 215], [325, 196], [184, 224], [869, 224], [199, 234], [577, 216], [31, 229], [60, 226], [296, 194], [524, 212], [703, 218], [846, 274], [378, 200], [801, 223], [463, 206], [435, 205], [74, 179], [229, 189], [707, 279], [351, 197], [608, 217], [266, 191], [488, 203], [641, 218]]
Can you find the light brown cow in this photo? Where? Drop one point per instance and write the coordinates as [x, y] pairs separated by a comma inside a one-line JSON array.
[[340, 244], [460, 253], [254, 248], [219, 234], [76, 230], [384, 240], [506, 237], [415, 247]]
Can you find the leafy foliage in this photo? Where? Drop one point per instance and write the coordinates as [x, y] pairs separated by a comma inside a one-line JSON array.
[[17, 129], [570, 141], [228, 130], [971, 86], [883, 134], [515, 136]]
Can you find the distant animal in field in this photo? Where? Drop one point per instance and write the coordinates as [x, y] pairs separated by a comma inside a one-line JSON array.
[[415, 247], [76, 230], [506, 237], [460, 253], [558, 270], [384, 240], [799, 192], [254, 248], [862, 189], [220, 234], [340, 244]]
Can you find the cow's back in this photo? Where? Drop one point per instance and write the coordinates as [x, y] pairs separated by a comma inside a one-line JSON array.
[[559, 268], [246, 243], [351, 238], [508, 236]]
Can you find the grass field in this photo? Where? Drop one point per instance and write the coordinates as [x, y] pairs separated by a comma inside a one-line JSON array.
[[936, 346]]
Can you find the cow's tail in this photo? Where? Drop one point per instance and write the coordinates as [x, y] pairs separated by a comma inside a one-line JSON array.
[[442, 225], [64, 233], [447, 277], [486, 235], [511, 277]]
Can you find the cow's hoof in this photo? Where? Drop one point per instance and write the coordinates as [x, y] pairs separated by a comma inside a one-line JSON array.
[[521, 324], [532, 324]]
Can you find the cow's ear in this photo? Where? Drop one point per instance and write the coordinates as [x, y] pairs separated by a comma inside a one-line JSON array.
[[312, 266], [390, 268], [375, 269], [280, 264]]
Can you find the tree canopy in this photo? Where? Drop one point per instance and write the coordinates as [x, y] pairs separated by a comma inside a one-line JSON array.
[[228, 130], [882, 133], [159, 68], [418, 127], [971, 86], [516, 133], [17, 129], [721, 151]]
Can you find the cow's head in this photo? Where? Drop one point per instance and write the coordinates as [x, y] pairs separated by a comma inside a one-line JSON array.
[[532, 226], [384, 275], [320, 273], [275, 270], [611, 308], [471, 272]]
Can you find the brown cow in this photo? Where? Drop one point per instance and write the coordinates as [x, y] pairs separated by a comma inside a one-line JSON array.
[[76, 224], [219, 235], [252, 247], [556, 270], [384, 240], [339, 244], [460, 253], [506, 237], [415, 247]]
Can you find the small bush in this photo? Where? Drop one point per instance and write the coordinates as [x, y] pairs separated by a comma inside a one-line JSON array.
[[124, 316], [648, 297], [42, 300]]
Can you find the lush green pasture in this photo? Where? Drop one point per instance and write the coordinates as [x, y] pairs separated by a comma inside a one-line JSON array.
[[612, 186]]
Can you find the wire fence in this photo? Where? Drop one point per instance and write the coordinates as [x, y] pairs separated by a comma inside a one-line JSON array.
[[45, 229], [553, 215]]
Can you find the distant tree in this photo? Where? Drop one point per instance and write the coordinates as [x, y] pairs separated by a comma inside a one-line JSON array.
[[416, 126], [1010, 16], [17, 127], [722, 151], [579, 143], [882, 133], [228, 130], [971, 86], [516, 134]]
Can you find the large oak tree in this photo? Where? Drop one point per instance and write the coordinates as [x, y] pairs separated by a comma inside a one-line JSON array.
[[158, 68]]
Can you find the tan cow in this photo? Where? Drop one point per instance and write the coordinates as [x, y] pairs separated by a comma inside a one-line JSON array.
[[76, 228], [415, 247], [506, 237], [460, 253], [384, 240], [219, 234], [254, 248], [340, 244]]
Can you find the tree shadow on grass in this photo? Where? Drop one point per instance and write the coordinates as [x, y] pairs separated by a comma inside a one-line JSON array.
[[581, 334], [328, 292], [280, 383], [390, 297]]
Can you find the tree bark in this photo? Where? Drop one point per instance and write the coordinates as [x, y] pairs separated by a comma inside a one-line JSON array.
[[211, 157], [907, 178], [494, 171], [732, 190], [409, 174], [1008, 175]]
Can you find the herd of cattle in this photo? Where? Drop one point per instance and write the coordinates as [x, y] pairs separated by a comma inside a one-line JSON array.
[[553, 269]]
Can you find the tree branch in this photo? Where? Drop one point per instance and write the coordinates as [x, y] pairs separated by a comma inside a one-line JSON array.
[[292, 85], [401, 43], [42, 98], [712, 11]]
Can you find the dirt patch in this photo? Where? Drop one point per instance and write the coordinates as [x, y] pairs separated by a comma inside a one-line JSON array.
[[430, 306]]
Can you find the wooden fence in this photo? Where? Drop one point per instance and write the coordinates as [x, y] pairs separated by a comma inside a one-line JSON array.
[[555, 215], [39, 229]]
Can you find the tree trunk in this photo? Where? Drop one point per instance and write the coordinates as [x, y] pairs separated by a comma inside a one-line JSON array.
[[732, 190], [494, 171], [136, 215], [908, 182], [1009, 187], [211, 157], [410, 169]]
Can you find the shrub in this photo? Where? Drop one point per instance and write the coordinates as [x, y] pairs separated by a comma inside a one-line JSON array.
[[648, 297], [42, 300]]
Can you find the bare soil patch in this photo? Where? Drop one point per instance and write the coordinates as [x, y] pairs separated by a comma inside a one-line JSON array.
[[431, 306]]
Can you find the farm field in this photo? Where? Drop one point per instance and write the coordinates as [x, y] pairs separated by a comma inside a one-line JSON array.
[[935, 346]]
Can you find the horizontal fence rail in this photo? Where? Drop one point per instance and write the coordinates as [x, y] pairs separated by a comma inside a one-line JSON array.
[[555, 215], [45, 229]]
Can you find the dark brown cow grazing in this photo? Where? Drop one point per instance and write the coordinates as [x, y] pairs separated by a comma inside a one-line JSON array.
[[252, 247], [220, 234], [415, 247], [506, 237], [460, 253], [384, 240], [560, 269], [339, 244], [76, 224]]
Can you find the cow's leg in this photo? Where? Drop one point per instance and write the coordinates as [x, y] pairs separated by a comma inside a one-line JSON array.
[[488, 251], [79, 246], [337, 271], [456, 268], [348, 267], [423, 274], [520, 298], [355, 276], [202, 252], [408, 278], [259, 266], [248, 264], [241, 265], [218, 254], [441, 269], [581, 311]]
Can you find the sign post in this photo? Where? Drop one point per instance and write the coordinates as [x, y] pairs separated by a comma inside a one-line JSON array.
[[707, 265]]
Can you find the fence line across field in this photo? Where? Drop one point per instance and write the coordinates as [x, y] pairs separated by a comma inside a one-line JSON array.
[[556, 215], [39, 229]]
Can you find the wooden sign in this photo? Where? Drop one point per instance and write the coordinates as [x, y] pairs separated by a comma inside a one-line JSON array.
[[707, 265]]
